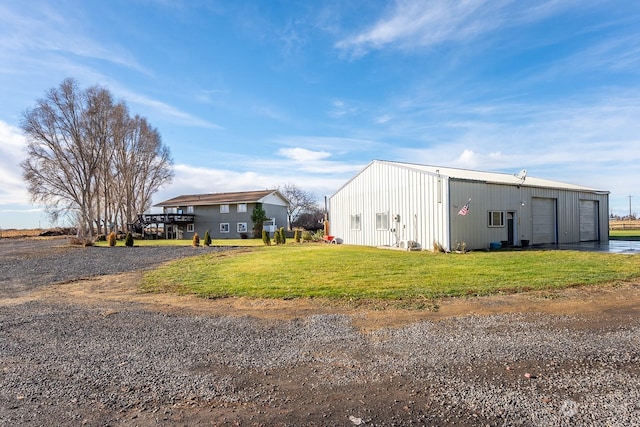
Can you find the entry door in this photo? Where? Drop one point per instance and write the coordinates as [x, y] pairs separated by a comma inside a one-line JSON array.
[[588, 220], [511, 228], [544, 220]]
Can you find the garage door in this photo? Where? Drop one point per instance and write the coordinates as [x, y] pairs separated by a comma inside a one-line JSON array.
[[588, 220], [544, 220]]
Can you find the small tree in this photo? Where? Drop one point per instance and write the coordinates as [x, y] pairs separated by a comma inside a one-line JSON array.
[[128, 241], [265, 238], [276, 236], [207, 238], [112, 239], [196, 240], [258, 217], [296, 236], [283, 237]]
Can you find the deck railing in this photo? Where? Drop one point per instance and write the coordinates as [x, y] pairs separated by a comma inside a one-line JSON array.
[[166, 218]]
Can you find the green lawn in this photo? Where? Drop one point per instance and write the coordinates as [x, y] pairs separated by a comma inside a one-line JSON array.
[[358, 273], [624, 234]]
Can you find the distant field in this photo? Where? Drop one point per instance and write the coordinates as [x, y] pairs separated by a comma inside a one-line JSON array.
[[624, 225], [20, 233]]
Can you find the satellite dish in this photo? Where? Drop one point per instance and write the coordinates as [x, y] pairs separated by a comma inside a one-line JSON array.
[[522, 174]]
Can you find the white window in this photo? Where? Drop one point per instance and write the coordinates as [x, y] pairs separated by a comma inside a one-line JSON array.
[[355, 222], [190, 228], [242, 227], [224, 227], [189, 209], [242, 207], [496, 219], [224, 208], [382, 221]]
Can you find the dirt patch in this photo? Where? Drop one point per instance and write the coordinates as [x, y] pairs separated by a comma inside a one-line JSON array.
[[603, 304]]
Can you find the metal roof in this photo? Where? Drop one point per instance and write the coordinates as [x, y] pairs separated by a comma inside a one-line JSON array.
[[490, 177], [221, 198]]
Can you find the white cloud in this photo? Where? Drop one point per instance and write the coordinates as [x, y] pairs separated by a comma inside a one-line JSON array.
[[302, 154], [12, 153], [44, 29], [422, 23]]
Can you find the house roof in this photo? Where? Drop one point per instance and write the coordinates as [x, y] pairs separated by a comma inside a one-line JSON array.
[[221, 198], [489, 177]]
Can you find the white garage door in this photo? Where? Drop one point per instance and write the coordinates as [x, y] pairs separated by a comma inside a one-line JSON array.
[[544, 220], [588, 220]]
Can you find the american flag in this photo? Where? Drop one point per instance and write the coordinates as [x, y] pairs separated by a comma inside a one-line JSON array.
[[465, 209]]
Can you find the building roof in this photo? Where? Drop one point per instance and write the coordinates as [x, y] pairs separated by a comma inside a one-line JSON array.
[[489, 177], [221, 198]]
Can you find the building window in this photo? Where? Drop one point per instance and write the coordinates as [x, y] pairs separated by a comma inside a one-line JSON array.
[[242, 207], [496, 219], [189, 209], [382, 221], [355, 222], [224, 208], [224, 227], [190, 228], [242, 227]]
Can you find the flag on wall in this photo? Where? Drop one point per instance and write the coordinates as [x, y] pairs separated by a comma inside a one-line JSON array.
[[465, 209]]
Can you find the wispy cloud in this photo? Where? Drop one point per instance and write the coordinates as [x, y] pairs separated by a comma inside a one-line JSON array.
[[46, 31], [167, 110], [410, 24]]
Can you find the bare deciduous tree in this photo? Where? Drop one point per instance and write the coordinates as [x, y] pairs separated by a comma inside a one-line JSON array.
[[86, 156], [300, 201]]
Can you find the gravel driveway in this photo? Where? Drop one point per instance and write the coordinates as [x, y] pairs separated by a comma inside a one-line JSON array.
[[68, 363]]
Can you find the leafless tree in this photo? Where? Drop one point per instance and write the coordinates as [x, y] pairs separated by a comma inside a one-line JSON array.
[[300, 201], [87, 157]]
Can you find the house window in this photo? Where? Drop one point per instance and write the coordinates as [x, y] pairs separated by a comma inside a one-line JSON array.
[[190, 228], [224, 208], [242, 227], [224, 227], [382, 221], [189, 209], [496, 219], [242, 207], [355, 222]]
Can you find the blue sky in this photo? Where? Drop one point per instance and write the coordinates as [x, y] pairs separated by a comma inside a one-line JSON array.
[[254, 94]]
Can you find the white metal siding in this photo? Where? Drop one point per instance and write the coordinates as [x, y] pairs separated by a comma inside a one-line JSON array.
[[544, 220], [428, 204], [380, 188], [588, 220]]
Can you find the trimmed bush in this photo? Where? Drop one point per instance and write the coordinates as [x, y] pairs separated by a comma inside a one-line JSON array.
[[306, 236], [196, 240], [128, 241], [112, 239], [265, 238], [283, 237], [296, 236], [207, 238]]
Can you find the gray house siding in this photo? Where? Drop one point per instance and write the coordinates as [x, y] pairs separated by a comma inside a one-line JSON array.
[[224, 215], [212, 219]]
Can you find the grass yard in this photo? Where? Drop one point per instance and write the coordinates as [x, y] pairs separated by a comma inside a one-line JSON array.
[[624, 234], [357, 273]]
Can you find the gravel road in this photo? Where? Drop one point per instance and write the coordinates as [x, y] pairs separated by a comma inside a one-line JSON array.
[[68, 363]]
